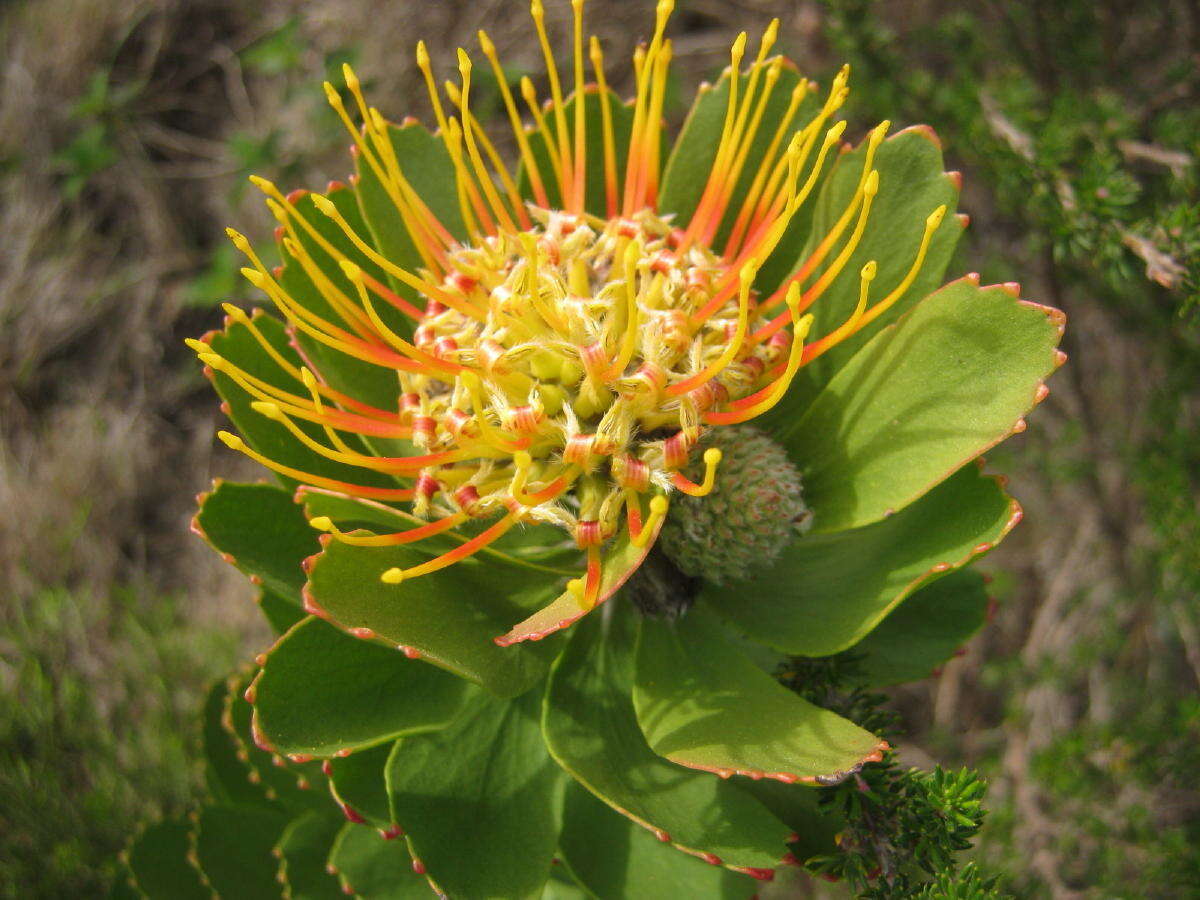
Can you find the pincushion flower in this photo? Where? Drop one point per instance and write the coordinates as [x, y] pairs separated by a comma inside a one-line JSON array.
[[590, 439]]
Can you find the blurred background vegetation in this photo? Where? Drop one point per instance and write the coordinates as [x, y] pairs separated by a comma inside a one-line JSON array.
[[126, 132]]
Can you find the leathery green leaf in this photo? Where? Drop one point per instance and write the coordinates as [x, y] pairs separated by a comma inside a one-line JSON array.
[[448, 617], [229, 779], [827, 591], [260, 530], [233, 847], [924, 631], [612, 857], [321, 691], [303, 849], [703, 704], [480, 800], [592, 731], [159, 864], [950, 379], [291, 786], [358, 783], [375, 868]]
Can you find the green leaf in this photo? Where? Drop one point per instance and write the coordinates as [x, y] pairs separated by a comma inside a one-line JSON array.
[[912, 184], [691, 160], [924, 631], [281, 612], [237, 345], [291, 786], [233, 847], [703, 704], [827, 591], [230, 780], [359, 784], [159, 864], [613, 857], [621, 560], [369, 866], [595, 201], [449, 617], [322, 691], [948, 381], [260, 530], [592, 731], [303, 849], [814, 827], [480, 800]]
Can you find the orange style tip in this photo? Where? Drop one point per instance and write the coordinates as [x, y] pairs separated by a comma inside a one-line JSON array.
[[231, 440], [659, 505], [392, 576], [712, 456], [321, 523], [869, 270], [352, 270], [265, 408], [325, 205]]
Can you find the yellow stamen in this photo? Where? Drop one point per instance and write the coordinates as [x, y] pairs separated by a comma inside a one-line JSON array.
[[538, 13], [396, 575], [658, 511], [493, 155], [758, 403], [610, 148], [552, 151], [749, 270], [712, 459], [233, 442], [353, 272], [485, 181], [931, 225], [325, 205], [580, 120], [514, 118], [629, 261]]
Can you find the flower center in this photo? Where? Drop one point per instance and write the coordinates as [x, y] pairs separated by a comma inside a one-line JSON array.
[[584, 383]]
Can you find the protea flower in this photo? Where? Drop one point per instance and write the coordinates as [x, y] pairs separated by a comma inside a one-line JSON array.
[[591, 440]]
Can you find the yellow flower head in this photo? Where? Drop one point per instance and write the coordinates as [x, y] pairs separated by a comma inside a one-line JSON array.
[[565, 364]]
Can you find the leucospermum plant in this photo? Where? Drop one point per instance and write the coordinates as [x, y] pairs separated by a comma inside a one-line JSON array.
[[571, 453]]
